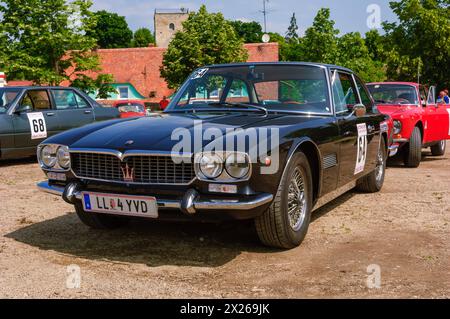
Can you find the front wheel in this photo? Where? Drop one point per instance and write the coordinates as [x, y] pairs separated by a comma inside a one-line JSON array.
[[100, 221], [439, 148], [285, 223], [373, 182], [413, 151]]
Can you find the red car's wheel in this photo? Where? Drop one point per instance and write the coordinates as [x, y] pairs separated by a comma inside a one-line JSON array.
[[413, 151], [439, 148]]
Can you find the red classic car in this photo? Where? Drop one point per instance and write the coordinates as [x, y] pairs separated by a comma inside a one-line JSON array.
[[130, 108], [418, 120]]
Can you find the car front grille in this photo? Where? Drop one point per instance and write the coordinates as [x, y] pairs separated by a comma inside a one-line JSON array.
[[148, 169]]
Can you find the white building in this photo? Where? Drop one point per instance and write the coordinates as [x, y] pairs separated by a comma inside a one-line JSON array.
[[2, 79]]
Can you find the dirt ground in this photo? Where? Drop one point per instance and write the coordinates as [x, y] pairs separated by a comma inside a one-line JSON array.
[[404, 230]]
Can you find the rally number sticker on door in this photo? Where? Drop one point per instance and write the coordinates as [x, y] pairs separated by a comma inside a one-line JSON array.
[[361, 155], [37, 125]]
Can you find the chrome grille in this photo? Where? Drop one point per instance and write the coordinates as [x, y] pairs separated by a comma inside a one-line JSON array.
[[148, 169]]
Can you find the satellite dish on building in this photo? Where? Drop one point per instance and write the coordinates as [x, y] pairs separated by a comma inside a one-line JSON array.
[[266, 38]]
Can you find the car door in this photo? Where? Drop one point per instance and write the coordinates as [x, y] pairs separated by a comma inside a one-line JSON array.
[[356, 131], [73, 110], [34, 119], [438, 118]]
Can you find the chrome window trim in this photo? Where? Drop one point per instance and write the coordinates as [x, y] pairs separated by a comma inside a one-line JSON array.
[[123, 155]]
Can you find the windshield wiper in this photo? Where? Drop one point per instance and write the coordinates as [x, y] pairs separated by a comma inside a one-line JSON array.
[[249, 106]]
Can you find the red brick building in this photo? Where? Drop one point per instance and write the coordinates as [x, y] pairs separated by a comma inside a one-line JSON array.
[[138, 68]]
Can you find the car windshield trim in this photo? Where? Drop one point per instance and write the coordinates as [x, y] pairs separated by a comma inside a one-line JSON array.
[[271, 87]]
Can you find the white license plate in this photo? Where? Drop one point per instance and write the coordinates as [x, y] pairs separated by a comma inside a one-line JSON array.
[[139, 206]]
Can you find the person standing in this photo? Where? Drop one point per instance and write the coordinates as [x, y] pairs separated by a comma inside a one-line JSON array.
[[164, 103]]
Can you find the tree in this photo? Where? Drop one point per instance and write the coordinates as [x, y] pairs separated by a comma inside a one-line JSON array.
[[354, 54], [249, 32], [43, 39], [291, 34], [419, 40], [111, 31], [320, 41], [207, 38], [142, 38]]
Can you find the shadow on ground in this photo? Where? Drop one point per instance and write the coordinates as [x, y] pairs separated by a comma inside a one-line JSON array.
[[18, 162], [153, 243]]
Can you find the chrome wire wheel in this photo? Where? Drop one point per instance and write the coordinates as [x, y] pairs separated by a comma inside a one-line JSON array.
[[296, 200], [380, 166]]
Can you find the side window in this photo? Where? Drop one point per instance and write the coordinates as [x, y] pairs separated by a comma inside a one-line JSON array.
[[365, 98], [82, 104], [64, 99], [423, 94], [123, 92], [36, 100], [238, 93], [344, 92]]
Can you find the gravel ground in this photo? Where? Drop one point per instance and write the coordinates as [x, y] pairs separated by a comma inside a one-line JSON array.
[[404, 230]]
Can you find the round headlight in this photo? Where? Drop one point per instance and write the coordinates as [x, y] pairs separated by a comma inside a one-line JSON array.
[[397, 127], [63, 157], [237, 165], [48, 156], [211, 165]]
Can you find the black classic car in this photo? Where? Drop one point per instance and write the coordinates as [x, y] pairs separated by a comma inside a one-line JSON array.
[[28, 115], [263, 141]]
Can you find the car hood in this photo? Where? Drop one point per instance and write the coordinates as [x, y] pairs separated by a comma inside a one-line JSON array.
[[154, 133], [394, 109]]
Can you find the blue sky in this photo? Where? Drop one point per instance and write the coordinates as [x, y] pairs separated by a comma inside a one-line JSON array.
[[350, 15]]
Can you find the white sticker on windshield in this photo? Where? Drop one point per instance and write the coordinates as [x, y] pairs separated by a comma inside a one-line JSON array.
[[37, 125], [199, 73], [362, 148]]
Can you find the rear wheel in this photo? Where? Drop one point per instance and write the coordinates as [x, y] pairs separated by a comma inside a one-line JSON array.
[[413, 151], [100, 221], [439, 148], [285, 223], [373, 182]]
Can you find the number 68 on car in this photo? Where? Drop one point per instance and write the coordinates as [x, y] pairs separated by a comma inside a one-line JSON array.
[[330, 139]]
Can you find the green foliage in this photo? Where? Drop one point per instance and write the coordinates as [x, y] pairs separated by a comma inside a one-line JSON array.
[[292, 32], [249, 32], [420, 39], [142, 38], [111, 31], [43, 39], [207, 38], [320, 43]]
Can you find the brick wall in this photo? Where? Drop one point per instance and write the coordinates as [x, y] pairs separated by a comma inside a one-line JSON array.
[[140, 66]]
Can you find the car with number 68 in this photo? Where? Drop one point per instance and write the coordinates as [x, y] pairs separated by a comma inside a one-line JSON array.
[[28, 115], [270, 142]]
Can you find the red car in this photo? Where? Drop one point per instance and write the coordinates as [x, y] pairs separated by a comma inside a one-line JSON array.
[[418, 120], [130, 108]]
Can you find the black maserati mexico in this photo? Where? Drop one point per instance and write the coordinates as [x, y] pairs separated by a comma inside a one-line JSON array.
[[264, 141]]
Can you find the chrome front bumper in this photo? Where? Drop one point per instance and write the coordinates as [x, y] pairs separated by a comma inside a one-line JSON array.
[[190, 203], [393, 149]]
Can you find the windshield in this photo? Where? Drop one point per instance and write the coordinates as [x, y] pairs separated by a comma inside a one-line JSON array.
[[130, 107], [275, 87], [7, 97], [393, 94]]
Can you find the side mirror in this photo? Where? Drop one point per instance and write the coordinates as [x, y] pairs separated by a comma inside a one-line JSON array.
[[358, 110], [24, 108]]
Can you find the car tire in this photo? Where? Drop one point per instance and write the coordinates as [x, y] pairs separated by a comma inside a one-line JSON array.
[[413, 151], [278, 228], [100, 221], [439, 148], [373, 182]]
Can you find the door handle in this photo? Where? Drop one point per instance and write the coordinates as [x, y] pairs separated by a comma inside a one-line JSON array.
[[348, 133], [51, 114], [87, 112]]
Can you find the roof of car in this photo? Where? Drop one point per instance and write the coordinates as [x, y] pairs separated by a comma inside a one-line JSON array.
[[39, 87], [331, 66], [394, 83]]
